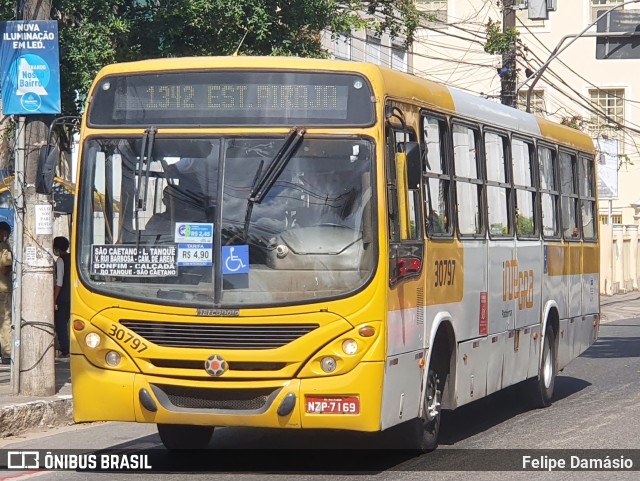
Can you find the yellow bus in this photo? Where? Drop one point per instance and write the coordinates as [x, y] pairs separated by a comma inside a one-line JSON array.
[[314, 244]]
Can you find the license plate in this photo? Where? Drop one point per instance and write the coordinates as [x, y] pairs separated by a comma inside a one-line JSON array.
[[333, 405]]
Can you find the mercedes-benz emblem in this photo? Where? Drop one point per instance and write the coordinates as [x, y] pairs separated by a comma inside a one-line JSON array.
[[215, 365]]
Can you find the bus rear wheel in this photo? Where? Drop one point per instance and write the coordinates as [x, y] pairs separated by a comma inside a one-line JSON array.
[[182, 436], [543, 387]]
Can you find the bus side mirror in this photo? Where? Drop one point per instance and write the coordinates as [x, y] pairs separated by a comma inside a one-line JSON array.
[[414, 165], [47, 161]]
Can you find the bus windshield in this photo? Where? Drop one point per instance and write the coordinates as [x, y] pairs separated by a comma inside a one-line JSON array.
[[226, 221]]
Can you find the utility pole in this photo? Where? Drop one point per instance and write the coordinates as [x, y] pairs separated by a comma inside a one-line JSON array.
[[36, 343], [508, 94]]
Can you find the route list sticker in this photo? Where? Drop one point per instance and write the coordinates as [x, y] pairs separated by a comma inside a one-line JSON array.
[[132, 261]]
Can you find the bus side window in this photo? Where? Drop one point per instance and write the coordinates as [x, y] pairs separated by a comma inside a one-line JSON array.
[[437, 184], [586, 179], [468, 180], [569, 196], [405, 255], [523, 180], [548, 192]]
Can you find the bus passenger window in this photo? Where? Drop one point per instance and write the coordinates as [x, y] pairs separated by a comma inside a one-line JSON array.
[[522, 155], [569, 199], [586, 179], [468, 181], [438, 177], [548, 192]]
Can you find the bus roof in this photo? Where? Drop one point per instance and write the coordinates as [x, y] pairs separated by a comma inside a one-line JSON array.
[[399, 85]]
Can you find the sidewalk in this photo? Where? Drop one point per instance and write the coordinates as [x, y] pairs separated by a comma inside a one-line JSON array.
[[19, 414]]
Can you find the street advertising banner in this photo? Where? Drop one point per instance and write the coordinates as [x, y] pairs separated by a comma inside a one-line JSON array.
[[607, 156], [30, 65]]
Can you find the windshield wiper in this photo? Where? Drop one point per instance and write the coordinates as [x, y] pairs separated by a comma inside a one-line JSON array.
[[263, 183], [140, 198]]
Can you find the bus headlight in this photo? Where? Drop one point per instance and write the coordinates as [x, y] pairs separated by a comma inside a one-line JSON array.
[[349, 347], [328, 364], [112, 358], [92, 340]]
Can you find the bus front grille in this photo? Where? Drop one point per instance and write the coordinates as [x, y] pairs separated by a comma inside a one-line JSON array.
[[218, 336], [172, 397]]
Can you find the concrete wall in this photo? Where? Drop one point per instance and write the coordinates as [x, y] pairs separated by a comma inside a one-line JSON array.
[[619, 259]]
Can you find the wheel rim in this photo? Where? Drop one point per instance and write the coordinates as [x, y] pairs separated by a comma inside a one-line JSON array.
[[432, 398], [547, 369]]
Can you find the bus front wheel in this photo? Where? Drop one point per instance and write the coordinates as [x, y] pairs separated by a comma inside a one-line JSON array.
[[182, 436], [426, 428]]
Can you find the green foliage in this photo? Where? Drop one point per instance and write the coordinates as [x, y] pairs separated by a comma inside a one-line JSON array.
[[7, 10], [575, 122], [525, 225], [94, 33], [499, 42]]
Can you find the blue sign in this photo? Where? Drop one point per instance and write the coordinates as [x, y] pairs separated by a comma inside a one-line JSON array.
[[30, 67], [6, 215], [235, 259], [194, 232]]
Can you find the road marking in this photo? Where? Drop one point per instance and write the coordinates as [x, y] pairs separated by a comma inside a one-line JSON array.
[[24, 475]]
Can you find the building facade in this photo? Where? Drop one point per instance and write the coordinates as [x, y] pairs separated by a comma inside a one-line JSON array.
[[599, 96], [366, 46]]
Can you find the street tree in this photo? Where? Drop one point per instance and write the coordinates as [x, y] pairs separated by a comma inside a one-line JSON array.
[[94, 33]]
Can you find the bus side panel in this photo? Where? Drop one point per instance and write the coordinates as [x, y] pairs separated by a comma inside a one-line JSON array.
[[405, 348], [590, 278], [471, 378], [470, 322], [574, 300], [516, 356], [529, 305], [565, 343], [502, 292], [555, 283], [534, 350]]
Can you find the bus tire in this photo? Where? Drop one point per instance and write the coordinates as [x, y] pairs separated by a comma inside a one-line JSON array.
[[548, 370], [424, 430], [183, 436]]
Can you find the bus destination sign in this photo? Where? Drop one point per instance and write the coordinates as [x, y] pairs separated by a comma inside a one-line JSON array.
[[233, 98], [132, 261]]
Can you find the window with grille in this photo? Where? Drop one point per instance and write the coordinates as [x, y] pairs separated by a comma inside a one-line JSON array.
[[615, 219], [437, 9], [399, 59], [522, 19], [600, 5], [608, 112], [342, 48], [373, 50], [537, 101]]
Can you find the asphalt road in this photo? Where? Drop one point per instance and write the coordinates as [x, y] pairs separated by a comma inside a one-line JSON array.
[[595, 408]]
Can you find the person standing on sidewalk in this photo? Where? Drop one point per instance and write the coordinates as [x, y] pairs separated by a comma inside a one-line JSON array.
[[6, 264], [62, 294]]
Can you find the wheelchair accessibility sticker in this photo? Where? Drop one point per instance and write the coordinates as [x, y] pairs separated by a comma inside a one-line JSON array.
[[235, 259]]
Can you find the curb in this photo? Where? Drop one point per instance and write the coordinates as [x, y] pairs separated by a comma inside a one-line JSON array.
[[20, 418]]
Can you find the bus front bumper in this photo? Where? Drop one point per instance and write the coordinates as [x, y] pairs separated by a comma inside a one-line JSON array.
[[136, 397]]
